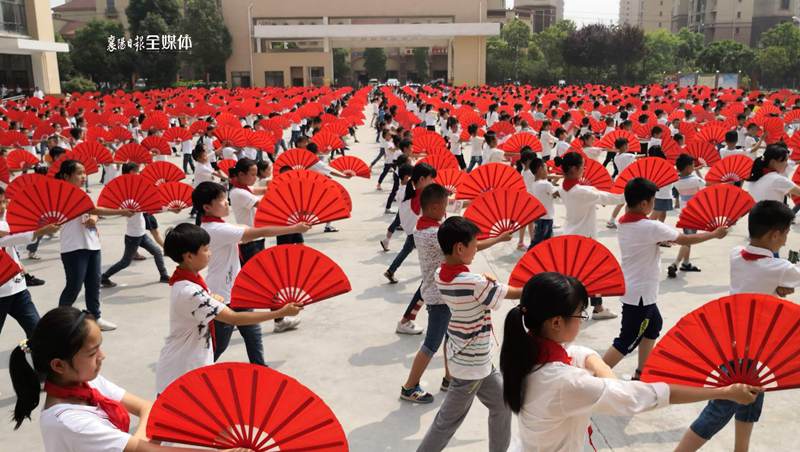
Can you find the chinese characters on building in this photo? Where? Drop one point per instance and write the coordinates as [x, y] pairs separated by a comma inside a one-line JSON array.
[[149, 43]]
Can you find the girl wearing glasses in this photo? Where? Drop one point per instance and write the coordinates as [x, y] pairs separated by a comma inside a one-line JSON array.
[[555, 388]]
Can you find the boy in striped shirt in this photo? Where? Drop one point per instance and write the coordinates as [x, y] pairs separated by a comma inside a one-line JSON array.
[[468, 351]]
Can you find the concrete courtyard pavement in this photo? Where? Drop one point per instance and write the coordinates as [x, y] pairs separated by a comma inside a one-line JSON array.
[[346, 349]]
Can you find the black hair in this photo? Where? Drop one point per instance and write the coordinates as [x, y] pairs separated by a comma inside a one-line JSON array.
[[639, 189], [544, 296], [768, 216], [60, 334], [568, 161], [773, 152], [262, 165], [312, 147], [433, 193], [683, 161], [206, 193], [284, 169], [242, 166], [404, 144], [420, 170], [198, 151], [527, 155], [619, 142], [128, 167], [184, 238], [401, 160], [56, 152], [731, 136], [456, 230], [405, 170], [68, 168], [656, 151]]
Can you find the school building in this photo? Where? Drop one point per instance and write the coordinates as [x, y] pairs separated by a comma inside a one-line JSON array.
[[291, 43]]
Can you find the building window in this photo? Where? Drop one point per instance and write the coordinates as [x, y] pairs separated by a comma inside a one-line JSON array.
[[785, 4], [12, 17], [240, 79], [737, 30], [273, 78], [316, 74]]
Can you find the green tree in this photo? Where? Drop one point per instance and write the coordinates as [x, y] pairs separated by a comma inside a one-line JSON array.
[[342, 74], [660, 55], [168, 10], [89, 53], [375, 63], [421, 63], [628, 45], [159, 68], [499, 60], [725, 56], [517, 35], [211, 41], [550, 45], [689, 46], [778, 55], [588, 47]]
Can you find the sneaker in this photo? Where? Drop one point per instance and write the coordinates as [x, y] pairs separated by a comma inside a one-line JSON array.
[[407, 327], [32, 281], [138, 257], [445, 385], [34, 257], [399, 228], [415, 395], [385, 245], [105, 325], [390, 276], [330, 229], [389, 212], [611, 225], [687, 267], [164, 279], [378, 188], [672, 271], [665, 245], [605, 314], [286, 325], [107, 283]]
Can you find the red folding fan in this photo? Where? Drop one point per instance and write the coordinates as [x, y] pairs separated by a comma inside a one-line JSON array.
[[261, 139], [712, 133], [743, 338], [596, 175], [327, 141], [225, 165], [133, 152], [159, 172], [89, 165], [573, 255], [427, 142], [296, 158], [176, 135], [502, 129], [8, 268], [175, 195], [306, 197], [130, 191], [488, 177], [703, 152], [21, 183], [233, 135], [347, 164], [95, 151], [516, 142], [440, 160], [231, 405], [774, 129], [733, 168], [44, 201], [19, 159], [654, 169], [503, 210], [450, 179], [285, 274], [715, 206], [157, 144], [607, 142]]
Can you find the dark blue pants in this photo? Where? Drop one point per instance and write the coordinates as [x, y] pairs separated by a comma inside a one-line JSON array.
[[21, 308], [251, 335], [408, 247], [82, 269], [132, 244], [188, 163], [393, 193]]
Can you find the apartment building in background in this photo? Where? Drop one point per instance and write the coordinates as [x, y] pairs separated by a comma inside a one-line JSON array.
[[739, 20], [538, 14]]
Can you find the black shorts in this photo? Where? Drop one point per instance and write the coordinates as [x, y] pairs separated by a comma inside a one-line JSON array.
[[638, 322], [150, 222]]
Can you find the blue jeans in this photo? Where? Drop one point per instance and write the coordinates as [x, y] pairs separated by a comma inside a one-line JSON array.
[[33, 246], [719, 412], [474, 160], [395, 223], [188, 163], [251, 335], [21, 308], [408, 247], [438, 319], [543, 230], [132, 244], [82, 268], [381, 153], [393, 193]]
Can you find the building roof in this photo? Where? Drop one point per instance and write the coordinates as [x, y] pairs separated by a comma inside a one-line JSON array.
[[76, 5], [70, 27]]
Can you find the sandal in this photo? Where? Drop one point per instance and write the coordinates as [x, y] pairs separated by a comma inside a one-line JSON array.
[[686, 267]]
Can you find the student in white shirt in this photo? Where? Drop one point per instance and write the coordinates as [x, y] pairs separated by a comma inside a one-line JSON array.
[[490, 152], [430, 118], [324, 169], [80, 248], [555, 388], [562, 146], [475, 147], [639, 239], [523, 166], [767, 181], [730, 147], [537, 183], [453, 135], [492, 116], [622, 160], [186, 151], [754, 268], [688, 184]]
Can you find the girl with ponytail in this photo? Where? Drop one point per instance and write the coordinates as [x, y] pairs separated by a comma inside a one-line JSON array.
[[767, 179], [555, 389]]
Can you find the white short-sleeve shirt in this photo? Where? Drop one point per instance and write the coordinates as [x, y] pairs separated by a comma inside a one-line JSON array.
[[68, 427], [641, 258], [543, 191], [224, 264], [243, 204], [9, 244], [135, 225], [623, 160], [76, 236], [771, 186], [203, 172], [763, 275]]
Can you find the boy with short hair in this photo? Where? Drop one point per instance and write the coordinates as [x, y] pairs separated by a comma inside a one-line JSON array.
[[639, 239], [622, 160], [193, 310], [687, 185], [470, 297], [754, 269], [730, 147]]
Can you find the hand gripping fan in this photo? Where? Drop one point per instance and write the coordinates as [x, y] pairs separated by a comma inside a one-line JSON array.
[[89, 165], [233, 135], [743, 338], [176, 135], [231, 405], [715, 206], [46, 201], [94, 150], [654, 169], [159, 172], [703, 152], [596, 175], [8, 267], [503, 210], [450, 179], [327, 141], [574, 255], [21, 183], [488, 177], [306, 197], [130, 191], [225, 165], [347, 164], [427, 142], [296, 158], [285, 274], [133, 152], [19, 159], [607, 142], [516, 142], [440, 160], [733, 168], [157, 144], [175, 195]]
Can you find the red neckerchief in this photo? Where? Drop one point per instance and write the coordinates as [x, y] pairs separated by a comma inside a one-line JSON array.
[[117, 414], [426, 222], [181, 274], [551, 351], [632, 217], [569, 183], [211, 219], [242, 186], [416, 206], [749, 257], [767, 171], [448, 272]]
